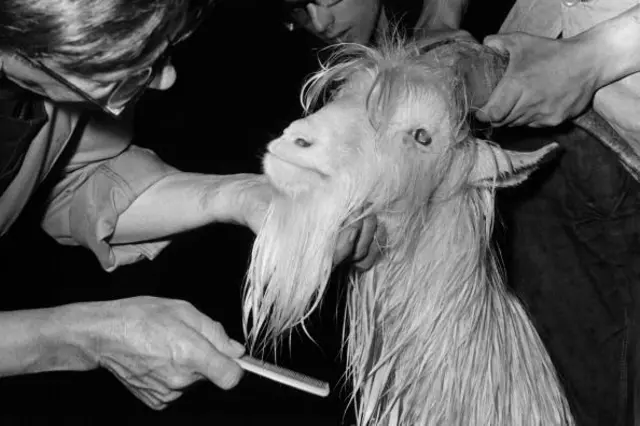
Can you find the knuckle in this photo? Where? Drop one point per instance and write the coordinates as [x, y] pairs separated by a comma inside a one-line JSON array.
[[218, 329], [177, 381], [184, 304]]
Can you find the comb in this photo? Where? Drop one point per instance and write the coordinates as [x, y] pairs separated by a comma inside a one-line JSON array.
[[284, 376]]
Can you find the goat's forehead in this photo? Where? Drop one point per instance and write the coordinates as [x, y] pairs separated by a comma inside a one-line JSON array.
[[343, 111], [405, 93], [428, 78]]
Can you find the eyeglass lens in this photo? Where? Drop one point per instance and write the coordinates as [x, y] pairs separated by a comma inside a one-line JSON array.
[[128, 87]]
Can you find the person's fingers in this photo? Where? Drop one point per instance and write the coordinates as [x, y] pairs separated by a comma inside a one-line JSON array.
[[149, 399], [204, 328], [142, 381], [496, 42], [345, 242], [144, 395], [159, 399], [216, 334], [210, 348], [497, 115], [502, 107], [367, 262], [375, 249], [169, 396], [216, 361], [221, 370], [364, 237], [523, 120]]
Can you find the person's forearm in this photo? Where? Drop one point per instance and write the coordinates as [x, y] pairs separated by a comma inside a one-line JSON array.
[[39, 340], [614, 45], [179, 203]]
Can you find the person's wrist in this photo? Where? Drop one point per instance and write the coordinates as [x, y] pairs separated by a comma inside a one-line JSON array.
[[70, 334], [236, 200], [252, 198]]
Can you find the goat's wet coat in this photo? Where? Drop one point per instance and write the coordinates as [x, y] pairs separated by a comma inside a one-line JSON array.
[[433, 337]]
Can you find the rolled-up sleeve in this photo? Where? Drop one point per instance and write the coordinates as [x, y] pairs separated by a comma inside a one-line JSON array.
[[103, 177]]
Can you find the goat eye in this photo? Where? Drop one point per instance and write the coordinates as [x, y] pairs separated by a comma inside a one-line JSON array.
[[302, 143], [422, 137]]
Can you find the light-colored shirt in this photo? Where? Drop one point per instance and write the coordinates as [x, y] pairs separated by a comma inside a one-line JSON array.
[[102, 173], [619, 102]]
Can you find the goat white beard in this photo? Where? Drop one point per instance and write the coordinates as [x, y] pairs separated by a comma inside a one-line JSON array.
[[291, 260]]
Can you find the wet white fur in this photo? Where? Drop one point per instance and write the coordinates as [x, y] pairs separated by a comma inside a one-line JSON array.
[[433, 335]]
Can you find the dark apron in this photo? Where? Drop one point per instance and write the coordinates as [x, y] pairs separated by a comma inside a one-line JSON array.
[[572, 254], [22, 115]]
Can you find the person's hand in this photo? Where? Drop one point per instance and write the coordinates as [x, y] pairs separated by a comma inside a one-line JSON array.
[[157, 347], [250, 196], [546, 82], [360, 243]]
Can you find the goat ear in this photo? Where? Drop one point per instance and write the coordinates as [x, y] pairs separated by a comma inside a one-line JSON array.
[[502, 168]]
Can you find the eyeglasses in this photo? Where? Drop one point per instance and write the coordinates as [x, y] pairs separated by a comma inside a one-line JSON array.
[[127, 91], [297, 14]]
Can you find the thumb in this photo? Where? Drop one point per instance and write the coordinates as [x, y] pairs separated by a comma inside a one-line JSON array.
[[496, 42], [232, 348], [482, 115], [217, 336], [220, 366], [219, 369]]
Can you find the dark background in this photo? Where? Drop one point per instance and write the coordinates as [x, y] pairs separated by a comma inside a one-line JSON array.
[[238, 83]]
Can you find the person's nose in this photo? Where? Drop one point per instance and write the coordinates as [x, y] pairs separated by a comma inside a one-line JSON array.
[[321, 17], [165, 78]]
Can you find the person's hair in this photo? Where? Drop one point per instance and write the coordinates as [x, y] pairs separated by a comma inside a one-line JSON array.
[[86, 37], [403, 14]]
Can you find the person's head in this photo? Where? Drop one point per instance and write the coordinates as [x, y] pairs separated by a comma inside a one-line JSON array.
[[354, 21], [101, 51], [336, 21]]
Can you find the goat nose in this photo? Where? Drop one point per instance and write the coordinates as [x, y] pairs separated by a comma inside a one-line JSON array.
[[302, 143]]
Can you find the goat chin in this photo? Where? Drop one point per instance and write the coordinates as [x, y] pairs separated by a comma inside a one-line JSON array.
[[290, 178], [291, 260]]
